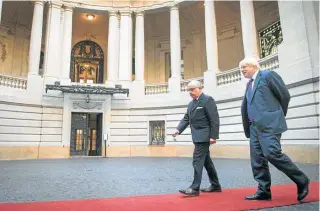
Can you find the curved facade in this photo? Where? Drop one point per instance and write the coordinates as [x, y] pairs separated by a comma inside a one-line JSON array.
[[61, 62]]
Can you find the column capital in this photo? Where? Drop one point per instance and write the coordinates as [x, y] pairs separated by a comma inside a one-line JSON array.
[[174, 6], [112, 12], [139, 12], [55, 4], [40, 2], [125, 12], [68, 7]]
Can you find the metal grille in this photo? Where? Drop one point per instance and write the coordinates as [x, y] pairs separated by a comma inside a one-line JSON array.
[[270, 38], [157, 132]]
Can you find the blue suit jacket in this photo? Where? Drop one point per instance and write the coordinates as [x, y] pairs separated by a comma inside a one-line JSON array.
[[203, 119], [268, 103]]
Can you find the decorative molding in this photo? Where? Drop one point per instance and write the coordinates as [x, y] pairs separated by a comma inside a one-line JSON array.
[[125, 11], [113, 13], [87, 89], [85, 105], [3, 51]]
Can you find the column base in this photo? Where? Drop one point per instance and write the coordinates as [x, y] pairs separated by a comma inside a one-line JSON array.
[[110, 84], [34, 84], [50, 80], [174, 85], [65, 81], [210, 82], [137, 90], [125, 84]]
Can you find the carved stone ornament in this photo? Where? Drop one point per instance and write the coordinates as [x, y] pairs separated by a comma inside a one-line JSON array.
[[3, 51], [85, 105]]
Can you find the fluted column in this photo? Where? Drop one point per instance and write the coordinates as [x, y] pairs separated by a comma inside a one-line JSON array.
[[66, 44], [210, 78], [125, 47], [112, 47], [117, 47], [249, 32], [35, 39], [175, 48], [52, 54], [139, 47]]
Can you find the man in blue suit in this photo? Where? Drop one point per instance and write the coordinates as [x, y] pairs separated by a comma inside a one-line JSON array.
[[203, 118], [263, 110]]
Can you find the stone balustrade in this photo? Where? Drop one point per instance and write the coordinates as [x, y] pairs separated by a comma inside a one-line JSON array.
[[184, 83], [229, 76], [13, 82], [159, 88], [270, 62], [226, 77]]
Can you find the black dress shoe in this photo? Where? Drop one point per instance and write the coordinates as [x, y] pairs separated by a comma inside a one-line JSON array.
[[190, 192], [262, 196], [211, 188], [303, 191]]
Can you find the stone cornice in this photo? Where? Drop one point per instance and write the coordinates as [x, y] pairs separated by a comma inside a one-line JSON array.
[[107, 7], [55, 4]]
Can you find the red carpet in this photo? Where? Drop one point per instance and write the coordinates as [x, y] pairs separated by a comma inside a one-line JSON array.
[[228, 200]]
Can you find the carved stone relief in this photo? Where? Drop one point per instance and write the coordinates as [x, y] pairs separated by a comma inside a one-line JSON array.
[[85, 105]]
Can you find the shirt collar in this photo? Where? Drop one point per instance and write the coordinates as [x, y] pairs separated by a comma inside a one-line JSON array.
[[255, 75]]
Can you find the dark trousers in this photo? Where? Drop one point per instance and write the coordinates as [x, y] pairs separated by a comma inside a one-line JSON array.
[[201, 157], [266, 147]]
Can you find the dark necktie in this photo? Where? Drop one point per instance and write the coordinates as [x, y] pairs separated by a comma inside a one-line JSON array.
[[250, 87]]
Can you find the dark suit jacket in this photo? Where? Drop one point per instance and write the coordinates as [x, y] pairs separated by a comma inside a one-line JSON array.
[[203, 119], [268, 104]]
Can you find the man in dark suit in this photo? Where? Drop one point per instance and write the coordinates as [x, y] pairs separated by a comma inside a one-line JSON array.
[[263, 110], [203, 118]]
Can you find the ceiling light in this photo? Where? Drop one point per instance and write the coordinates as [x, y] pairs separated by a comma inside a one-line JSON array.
[[90, 17]]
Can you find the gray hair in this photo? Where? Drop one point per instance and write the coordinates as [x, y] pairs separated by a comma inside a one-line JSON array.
[[195, 83], [250, 61]]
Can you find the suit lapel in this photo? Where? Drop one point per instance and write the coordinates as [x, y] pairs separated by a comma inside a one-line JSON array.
[[256, 83], [197, 104]]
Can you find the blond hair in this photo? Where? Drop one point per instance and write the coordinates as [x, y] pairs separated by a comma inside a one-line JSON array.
[[250, 61]]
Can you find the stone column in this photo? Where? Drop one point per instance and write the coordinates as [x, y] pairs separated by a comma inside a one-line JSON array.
[[210, 78], [249, 32], [112, 48], [175, 49], [34, 80], [66, 45], [118, 47], [139, 46], [0, 9], [125, 48], [35, 39], [138, 83], [130, 46], [52, 55]]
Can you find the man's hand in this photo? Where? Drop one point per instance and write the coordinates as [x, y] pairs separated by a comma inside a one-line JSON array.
[[212, 141], [175, 133]]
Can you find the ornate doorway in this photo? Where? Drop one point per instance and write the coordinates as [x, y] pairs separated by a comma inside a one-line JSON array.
[[87, 63], [86, 134]]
